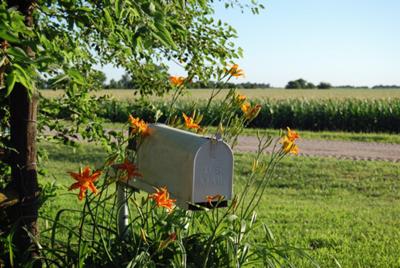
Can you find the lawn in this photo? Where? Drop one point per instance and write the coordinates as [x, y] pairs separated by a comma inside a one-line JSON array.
[[340, 211], [275, 93], [344, 211]]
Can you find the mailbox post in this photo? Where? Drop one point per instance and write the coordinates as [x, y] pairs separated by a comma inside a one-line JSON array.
[[123, 210], [191, 166]]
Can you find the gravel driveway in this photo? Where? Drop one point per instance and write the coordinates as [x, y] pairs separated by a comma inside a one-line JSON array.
[[338, 149]]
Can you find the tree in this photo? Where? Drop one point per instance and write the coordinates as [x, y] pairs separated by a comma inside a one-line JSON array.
[[297, 84], [300, 84], [310, 85], [99, 78], [113, 84], [64, 40], [324, 85]]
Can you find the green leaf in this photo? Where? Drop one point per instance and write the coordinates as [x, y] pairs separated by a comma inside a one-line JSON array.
[[163, 35], [19, 69], [17, 51], [19, 54], [21, 78], [24, 78], [152, 8], [58, 79], [7, 36], [76, 76], [43, 59], [108, 18], [116, 8], [84, 9], [11, 79]]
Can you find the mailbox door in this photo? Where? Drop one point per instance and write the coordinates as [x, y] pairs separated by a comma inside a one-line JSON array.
[[213, 171]]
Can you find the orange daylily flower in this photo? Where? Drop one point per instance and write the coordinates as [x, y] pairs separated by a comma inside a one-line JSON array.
[[288, 145], [161, 197], [250, 112], [130, 168], [254, 111], [292, 135], [189, 122], [177, 80], [241, 97], [85, 181], [235, 71], [138, 126], [245, 107], [216, 197]]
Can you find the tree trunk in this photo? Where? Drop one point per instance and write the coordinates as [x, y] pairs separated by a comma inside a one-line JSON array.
[[23, 114]]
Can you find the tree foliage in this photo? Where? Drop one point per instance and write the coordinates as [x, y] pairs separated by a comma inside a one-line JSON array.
[[300, 84], [68, 38], [303, 84], [324, 85]]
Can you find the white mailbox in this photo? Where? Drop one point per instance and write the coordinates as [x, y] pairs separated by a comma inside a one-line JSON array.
[[191, 166]]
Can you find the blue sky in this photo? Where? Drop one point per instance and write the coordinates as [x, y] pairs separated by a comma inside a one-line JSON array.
[[354, 42]]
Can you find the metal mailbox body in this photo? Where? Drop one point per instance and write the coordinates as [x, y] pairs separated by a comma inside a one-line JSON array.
[[190, 165]]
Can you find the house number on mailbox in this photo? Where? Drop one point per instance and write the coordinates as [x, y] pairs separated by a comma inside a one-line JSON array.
[[212, 175]]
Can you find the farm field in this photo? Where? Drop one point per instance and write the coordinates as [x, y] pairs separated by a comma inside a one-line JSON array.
[[370, 112], [340, 211], [314, 135], [276, 93]]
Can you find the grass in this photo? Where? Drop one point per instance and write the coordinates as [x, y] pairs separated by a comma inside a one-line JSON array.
[[314, 135], [341, 211], [275, 93], [63, 159]]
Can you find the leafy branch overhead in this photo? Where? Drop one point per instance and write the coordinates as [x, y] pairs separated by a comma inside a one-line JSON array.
[[70, 37], [65, 40]]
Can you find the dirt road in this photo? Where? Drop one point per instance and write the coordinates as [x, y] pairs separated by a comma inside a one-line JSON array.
[[338, 149]]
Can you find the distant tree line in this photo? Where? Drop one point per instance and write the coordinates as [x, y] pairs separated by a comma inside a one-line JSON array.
[[127, 82], [303, 84], [385, 86], [213, 84], [351, 87]]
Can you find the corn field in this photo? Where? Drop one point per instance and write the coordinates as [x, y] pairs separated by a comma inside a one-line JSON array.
[[355, 115]]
